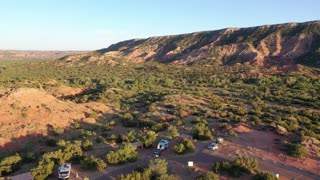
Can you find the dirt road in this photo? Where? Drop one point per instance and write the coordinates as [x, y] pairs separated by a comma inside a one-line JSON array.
[[203, 160]]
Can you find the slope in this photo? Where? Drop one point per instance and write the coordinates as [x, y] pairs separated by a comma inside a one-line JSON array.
[[282, 44]]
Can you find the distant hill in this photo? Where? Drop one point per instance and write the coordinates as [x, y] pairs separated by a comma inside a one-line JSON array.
[[281, 44], [7, 55]]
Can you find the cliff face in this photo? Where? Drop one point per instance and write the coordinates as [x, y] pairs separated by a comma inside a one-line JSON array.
[[282, 44]]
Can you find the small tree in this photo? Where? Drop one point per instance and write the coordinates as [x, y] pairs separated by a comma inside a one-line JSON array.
[[296, 150], [185, 146], [158, 167], [246, 164], [221, 167], [93, 163], [189, 145], [149, 138], [202, 132], [132, 135], [179, 148], [43, 170], [173, 131], [125, 154]]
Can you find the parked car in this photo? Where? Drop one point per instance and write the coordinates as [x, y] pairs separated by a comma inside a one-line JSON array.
[[163, 144], [156, 153], [213, 146], [64, 171]]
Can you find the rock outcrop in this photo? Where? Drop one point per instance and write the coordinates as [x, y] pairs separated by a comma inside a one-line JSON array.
[[281, 130]]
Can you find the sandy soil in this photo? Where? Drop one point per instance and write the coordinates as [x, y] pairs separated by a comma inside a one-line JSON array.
[[263, 145], [29, 112]]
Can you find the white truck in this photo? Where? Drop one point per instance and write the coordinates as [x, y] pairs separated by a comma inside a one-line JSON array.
[[163, 144], [64, 171]]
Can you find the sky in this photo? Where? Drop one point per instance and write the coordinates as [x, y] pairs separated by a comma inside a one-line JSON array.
[[96, 24]]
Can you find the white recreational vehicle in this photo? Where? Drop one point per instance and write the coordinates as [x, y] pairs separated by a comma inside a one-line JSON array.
[[163, 144], [64, 171]]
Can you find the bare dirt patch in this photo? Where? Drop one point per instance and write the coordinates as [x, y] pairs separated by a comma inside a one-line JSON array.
[[242, 128], [27, 112], [63, 91], [263, 145]]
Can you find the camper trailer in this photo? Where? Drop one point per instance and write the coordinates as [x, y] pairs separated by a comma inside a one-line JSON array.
[[64, 171], [163, 144]]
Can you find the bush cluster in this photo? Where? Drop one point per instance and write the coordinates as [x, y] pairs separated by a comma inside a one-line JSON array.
[[10, 164], [87, 145], [92, 163], [148, 138], [157, 169], [296, 150], [46, 163], [202, 132], [186, 146], [237, 167], [125, 154]]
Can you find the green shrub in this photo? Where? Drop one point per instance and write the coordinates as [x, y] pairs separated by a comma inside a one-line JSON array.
[[179, 122], [201, 132], [100, 139], [296, 150], [125, 154], [246, 164], [209, 176], [132, 135], [87, 145], [58, 131], [111, 123], [157, 169], [146, 123], [264, 176], [189, 145], [77, 126], [29, 157], [186, 146], [158, 127], [179, 148], [114, 138], [200, 120], [127, 116], [134, 175], [152, 107], [43, 170], [149, 138], [237, 167], [86, 133], [221, 167], [93, 163], [128, 121], [173, 131], [9, 164], [62, 143]]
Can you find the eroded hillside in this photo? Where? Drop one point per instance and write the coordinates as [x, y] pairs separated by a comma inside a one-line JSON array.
[[283, 44]]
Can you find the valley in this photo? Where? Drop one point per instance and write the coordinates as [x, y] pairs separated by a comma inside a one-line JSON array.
[[257, 88]]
